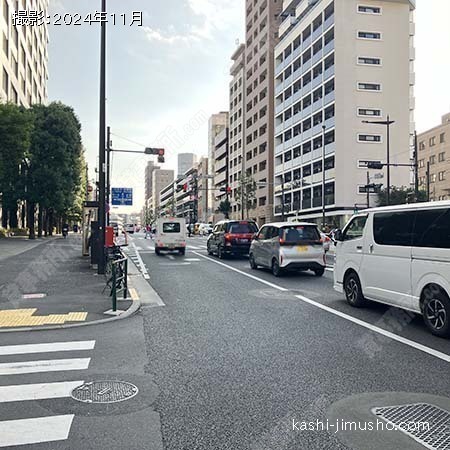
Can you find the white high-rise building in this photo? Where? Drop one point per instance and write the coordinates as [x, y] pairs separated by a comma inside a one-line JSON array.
[[23, 56], [186, 161], [337, 64]]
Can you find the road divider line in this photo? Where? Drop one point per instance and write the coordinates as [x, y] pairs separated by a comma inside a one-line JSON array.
[[46, 348], [51, 365], [378, 330], [25, 392], [141, 263], [242, 273], [36, 430]]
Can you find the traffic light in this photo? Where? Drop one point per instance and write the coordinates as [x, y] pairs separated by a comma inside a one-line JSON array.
[[154, 151], [375, 165]]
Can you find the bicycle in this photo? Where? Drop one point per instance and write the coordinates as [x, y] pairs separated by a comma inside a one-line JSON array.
[[113, 254]]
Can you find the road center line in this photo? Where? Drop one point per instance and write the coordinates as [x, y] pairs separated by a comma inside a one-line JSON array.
[[393, 336], [242, 273], [141, 263]]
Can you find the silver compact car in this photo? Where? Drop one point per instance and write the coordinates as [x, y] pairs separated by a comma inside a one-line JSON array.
[[288, 246]]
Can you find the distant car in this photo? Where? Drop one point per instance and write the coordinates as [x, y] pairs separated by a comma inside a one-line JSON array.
[[231, 237], [288, 246], [129, 228], [205, 229]]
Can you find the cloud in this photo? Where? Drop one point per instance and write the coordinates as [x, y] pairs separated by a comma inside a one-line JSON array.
[[157, 35]]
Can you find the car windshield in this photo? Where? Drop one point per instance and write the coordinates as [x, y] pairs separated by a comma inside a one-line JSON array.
[[171, 227], [242, 227], [299, 233]]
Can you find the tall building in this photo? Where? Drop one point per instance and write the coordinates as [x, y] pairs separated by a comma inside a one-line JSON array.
[[150, 168], [221, 166], [236, 126], [339, 63], [161, 178], [262, 19], [434, 158], [23, 56], [186, 161], [217, 122], [203, 189]]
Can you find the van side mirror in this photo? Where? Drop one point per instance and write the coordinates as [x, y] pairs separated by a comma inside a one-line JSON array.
[[338, 236]]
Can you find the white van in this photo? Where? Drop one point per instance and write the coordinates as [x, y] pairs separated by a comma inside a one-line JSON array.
[[400, 256], [170, 234]]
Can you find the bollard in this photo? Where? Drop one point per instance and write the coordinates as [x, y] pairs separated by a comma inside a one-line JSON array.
[[114, 288]]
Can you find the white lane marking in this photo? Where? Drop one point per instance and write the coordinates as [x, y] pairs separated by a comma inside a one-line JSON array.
[[175, 264], [23, 392], [36, 430], [50, 365], [388, 334], [242, 273], [141, 263], [191, 247], [46, 348], [171, 257], [378, 330], [192, 259]]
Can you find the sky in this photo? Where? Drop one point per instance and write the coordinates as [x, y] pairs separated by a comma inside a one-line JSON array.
[[166, 77]]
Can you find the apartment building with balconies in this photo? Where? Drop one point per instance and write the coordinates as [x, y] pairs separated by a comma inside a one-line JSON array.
[[23, 56], [262, 21], [434, 160], [338, 63]]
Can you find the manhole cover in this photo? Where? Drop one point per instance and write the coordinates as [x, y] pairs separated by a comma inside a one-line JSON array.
[[104, 392], [425, 423]]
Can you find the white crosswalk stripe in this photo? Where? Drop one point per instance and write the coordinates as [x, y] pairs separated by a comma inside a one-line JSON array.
[[34, 430]]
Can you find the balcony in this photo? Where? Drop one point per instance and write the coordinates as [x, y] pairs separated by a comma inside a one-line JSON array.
[[307, 134], [317, 105], [317, 57], [328, 48], [296, 118], [297, 96], [330, 148], [307, 111], [317, 129], [288, 123], [317, 33], [317, 81], [330, 123], [307, 88], [288, 81], [328, 23], [306, 43], [307, 65], [297, 73], [279, 68], [279, 108], [288, 60], [328, 73], [279, 128], [279, 88], [297, 52], [297, 139], [279, 148], [329, 98]]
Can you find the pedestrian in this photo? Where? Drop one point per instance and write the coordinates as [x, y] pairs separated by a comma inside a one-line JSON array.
[[148, 231]]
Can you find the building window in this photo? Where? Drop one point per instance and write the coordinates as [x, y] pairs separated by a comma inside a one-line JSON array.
[[421, 164], [442, 138], [432, 159], [5, 82], [5, 45], [369, 9], [432, 141], [369, 35], [433, 178], [441, 176], [441, 157], [369, 137], [422, 145], [369, 112], [369, 87], [369, 61]]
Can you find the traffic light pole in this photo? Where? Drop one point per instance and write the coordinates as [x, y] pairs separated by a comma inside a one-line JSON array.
[[108, 172], [101, 149]]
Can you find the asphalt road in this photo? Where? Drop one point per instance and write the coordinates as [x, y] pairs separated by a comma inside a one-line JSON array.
[[232, 359]]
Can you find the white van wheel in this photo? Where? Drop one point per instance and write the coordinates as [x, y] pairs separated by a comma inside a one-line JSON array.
[[353, 291], [436, 314]]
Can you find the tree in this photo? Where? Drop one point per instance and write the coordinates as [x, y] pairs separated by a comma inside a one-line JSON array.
[[225, 208], [16, 125], [245, 194], [400, 196]]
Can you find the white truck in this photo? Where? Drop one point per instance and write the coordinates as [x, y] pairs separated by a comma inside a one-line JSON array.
[[170, 235]]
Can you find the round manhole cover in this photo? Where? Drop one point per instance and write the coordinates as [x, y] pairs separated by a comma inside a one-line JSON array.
[[104, 391]]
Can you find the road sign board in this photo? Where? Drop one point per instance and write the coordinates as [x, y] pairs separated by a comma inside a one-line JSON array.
[[122, 196]]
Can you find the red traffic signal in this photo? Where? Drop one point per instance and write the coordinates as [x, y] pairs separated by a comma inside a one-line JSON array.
[[154, 151]]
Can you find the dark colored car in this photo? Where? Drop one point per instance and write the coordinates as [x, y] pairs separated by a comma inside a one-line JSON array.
[[231, 237]]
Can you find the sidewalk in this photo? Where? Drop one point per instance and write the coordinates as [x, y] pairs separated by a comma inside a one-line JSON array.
[[48, 283]]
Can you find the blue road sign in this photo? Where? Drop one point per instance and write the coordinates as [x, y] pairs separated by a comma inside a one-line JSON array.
[[122, 196]]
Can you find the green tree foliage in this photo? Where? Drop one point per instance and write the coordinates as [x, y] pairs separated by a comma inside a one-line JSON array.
[[401, 196], [16, 125], [245, 194], [224, 208]]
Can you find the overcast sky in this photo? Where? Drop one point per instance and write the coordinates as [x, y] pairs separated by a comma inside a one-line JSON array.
[[166, 78]]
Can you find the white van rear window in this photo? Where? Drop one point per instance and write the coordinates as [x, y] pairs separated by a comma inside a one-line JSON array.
[[171, 227]]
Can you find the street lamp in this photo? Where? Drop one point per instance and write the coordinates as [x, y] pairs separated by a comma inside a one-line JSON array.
[[388, 123]]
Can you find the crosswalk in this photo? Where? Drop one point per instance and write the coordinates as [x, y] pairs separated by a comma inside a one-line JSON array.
[[34, 430]]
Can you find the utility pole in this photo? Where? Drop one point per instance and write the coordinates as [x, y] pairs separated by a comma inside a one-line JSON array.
[[368, 190], [101, 148], [416, 168], [108, 171], [323, 177]]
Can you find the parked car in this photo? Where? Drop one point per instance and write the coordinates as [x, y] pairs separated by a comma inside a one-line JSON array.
[[400, 256], [129, 228], [288, 246], [170, 235], [231, 237]]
